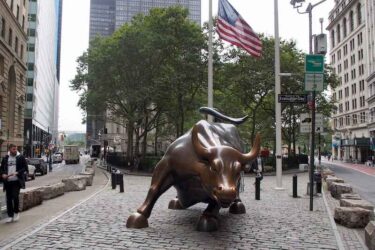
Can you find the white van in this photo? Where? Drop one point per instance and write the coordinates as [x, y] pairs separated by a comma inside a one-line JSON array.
[[71, 154]]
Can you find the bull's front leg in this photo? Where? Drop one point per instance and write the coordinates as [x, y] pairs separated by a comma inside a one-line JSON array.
[[237, 206], [209, 221], [161, 182]]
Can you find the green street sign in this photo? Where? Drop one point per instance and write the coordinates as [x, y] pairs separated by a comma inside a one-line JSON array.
[[314, 64]]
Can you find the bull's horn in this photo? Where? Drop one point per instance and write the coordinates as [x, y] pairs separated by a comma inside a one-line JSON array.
[[198, 147], [254, 151]]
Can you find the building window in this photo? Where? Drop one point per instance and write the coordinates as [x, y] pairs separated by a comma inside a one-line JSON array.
[[351, 21], [10, 38], [344, 27], [30, 66], [347, 120], [31, 32], [16, 45], [345, 49], [354, 89], [3, 27], [23, 21], [363, 117], [333, 38], [21, 51], [32, 17], [2, 66], [355, 121], [31, 47], [29, 97], [30, 81], [338, 33], [354, 104], [18, 13], [11, 4], [359, 14]]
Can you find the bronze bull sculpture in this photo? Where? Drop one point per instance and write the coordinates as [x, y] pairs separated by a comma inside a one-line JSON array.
[[203, 165]]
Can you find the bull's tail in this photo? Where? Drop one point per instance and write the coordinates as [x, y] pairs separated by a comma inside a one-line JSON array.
[[220, 116]]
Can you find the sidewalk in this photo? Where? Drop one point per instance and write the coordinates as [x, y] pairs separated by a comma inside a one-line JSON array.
[[277, 221], [49, 209]]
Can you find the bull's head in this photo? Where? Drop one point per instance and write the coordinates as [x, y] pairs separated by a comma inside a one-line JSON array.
[[224, 165]]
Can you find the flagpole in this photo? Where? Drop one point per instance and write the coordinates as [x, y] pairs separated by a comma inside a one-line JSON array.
[[210, 68], [279, 185]]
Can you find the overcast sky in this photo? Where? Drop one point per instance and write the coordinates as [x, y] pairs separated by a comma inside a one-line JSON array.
[[259, 14]]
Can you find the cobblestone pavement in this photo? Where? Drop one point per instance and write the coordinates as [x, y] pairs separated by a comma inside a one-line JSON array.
[[277, 221]]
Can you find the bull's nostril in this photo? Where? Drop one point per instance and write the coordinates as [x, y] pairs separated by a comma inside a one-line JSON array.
[[219, 188]]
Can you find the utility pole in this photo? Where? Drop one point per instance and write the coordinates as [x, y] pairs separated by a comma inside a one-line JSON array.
[[297, 4]]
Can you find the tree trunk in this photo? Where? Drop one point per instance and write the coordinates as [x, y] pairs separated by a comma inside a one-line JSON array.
[[129, 151]]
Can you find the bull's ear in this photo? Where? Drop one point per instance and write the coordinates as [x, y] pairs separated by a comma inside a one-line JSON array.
[[198, 147], [254, 151]]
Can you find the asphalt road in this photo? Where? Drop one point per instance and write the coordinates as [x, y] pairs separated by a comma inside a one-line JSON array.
[[363, 184]]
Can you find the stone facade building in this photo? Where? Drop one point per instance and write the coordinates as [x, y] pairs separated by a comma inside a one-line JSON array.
[[13, 40]]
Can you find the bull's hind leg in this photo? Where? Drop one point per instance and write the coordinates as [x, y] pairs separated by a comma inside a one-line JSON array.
[[209, 221], [161, 182]]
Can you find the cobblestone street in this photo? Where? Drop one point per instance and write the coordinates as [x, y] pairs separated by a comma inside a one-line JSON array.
[[277, 221]]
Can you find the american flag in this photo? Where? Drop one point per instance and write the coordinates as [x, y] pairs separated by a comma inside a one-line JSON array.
[[232, 28]]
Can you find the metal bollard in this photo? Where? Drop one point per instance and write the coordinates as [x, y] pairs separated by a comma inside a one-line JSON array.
[[257, 187], [113, 178], [295, 186], [318, 181], [120, 181]]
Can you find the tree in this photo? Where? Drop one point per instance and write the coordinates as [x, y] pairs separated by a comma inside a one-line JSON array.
[[148, 69]]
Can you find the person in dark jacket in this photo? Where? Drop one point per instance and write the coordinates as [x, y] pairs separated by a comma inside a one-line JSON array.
[[12, 171]]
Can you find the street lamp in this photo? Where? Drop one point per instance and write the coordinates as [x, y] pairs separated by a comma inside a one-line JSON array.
[[297, 4]]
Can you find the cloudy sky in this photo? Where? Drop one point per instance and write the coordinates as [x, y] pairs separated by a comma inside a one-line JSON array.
[[259, 14]]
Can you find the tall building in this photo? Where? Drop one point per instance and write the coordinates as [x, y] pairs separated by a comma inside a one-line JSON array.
[[370, 31], [105, 17], [13, 39], [348, 54], [42, 84]]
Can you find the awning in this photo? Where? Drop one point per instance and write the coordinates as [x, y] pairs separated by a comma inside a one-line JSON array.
[[347, 142], [362, 142]]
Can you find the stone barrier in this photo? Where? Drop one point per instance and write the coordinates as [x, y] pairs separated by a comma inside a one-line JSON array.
[[370, 235], [75, 183], [353, 217], [357, 203], [326, 173], [52, 191], [30, 197], [340, 188], [89, 177], [333, 179], [351, 196]]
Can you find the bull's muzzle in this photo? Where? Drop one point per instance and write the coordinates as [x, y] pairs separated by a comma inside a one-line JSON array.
[[225, 195]]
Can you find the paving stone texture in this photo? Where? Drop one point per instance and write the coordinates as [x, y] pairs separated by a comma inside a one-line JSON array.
[[277, 221]]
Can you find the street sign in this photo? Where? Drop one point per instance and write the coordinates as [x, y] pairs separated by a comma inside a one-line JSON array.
[[307, 129], [305, 123], [314, 82], [289, 98], [314, 64]]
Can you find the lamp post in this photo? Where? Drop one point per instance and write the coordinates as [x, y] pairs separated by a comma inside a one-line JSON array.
[[297, 4]]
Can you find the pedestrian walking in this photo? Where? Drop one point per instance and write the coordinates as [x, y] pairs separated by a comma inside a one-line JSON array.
[[12, 171]]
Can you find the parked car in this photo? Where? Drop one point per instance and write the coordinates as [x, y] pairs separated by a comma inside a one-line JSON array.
[[57, 157], [40, 165], [30, 172]]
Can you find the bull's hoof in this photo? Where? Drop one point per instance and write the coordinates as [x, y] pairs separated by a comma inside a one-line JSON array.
[[137, 220], [175, 204], [207, 223], [237, 208]]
